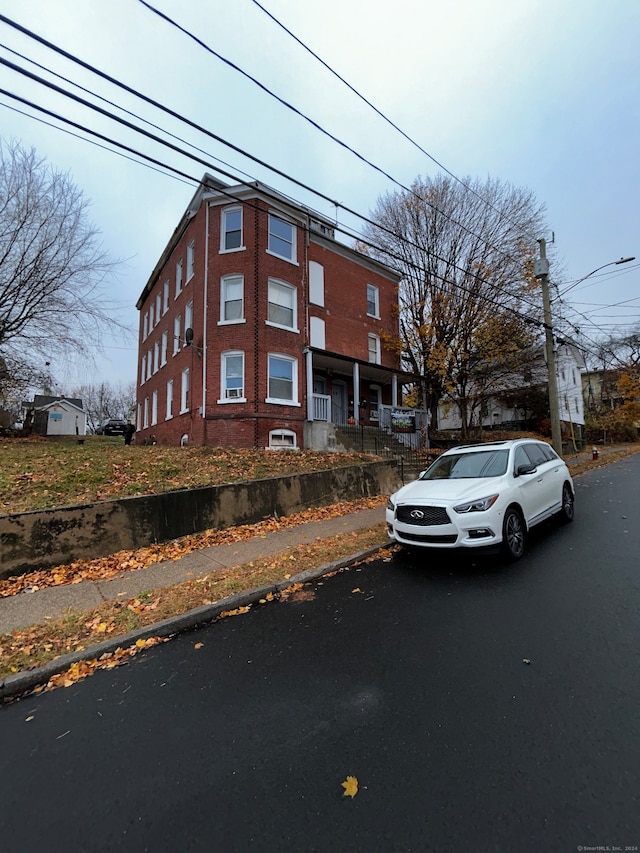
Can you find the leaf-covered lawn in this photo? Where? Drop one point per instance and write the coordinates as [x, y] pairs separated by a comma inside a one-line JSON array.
[[38, 473]]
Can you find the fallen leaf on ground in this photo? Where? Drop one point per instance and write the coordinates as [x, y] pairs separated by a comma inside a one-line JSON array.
[[350, 786]]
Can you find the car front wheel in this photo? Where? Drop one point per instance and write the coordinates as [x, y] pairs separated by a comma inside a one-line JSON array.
[[513, 534]]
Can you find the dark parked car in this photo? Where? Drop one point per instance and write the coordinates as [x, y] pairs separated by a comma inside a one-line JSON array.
[[112, 426]]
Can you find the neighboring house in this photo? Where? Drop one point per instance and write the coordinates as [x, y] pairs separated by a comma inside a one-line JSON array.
[[259, 329], [57, 415], [600, 389], [512, 405]]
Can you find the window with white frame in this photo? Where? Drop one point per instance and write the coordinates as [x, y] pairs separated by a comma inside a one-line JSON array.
[[165, 297], [232, 374], [154, 408], [282, 439], [282, 307], [145, 422], [282, 380], [177, 325], [282, 237], [143, 370], [156, 356], [373, 303], [231, 229], [232, 299], [191, 259], [169, 413], [374, 349], [188, 318], [179, 277], [145, 326], [163, 347], [316, 283], [139, 416], [184, 391], [158, 308], [149, 363], [151, 315]]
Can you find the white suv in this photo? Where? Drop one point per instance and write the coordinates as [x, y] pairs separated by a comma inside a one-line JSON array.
[[482, 495]]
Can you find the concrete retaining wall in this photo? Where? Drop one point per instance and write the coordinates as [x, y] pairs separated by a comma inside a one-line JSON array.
[[39, 540]]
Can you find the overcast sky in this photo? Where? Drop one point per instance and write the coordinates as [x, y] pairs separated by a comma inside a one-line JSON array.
[[542, 95]]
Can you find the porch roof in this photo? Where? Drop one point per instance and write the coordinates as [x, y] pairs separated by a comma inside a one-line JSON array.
[[372, 372]]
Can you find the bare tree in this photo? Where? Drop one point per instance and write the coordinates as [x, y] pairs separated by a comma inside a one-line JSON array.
[[52, 266], [468, 299], [104, 400]]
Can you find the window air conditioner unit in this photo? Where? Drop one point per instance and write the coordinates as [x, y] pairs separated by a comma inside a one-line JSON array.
[[234, 392]]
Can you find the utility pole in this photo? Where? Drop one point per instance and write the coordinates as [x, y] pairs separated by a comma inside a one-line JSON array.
[[541, 271]]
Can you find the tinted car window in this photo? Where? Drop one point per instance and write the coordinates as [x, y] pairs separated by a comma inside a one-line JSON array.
[[520, 458], [536, 454]]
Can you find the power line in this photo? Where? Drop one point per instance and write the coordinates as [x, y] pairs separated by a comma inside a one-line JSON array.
[[383, 116], [233, 197], [317, 126], [76, 98]]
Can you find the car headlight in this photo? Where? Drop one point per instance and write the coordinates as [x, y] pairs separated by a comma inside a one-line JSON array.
[[390, 505], [479, 505]]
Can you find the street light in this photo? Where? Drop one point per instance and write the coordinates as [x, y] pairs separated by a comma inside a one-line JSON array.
[[593, 272], [541, 271]]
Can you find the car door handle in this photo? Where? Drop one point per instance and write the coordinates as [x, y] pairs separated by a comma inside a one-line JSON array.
[[540, 479]]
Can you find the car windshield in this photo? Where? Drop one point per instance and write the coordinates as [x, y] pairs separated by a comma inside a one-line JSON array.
[[453, 466]]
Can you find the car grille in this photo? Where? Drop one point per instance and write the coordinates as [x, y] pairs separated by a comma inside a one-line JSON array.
[[422, 516]]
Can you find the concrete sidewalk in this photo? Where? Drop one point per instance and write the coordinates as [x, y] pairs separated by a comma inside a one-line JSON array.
[[25, 609]]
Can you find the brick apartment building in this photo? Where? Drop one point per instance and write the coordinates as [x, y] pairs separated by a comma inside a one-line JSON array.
[[259, 329]]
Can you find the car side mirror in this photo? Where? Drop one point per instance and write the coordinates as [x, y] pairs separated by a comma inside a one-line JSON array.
[[526, 469]]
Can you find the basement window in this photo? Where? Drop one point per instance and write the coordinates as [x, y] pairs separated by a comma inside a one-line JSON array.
[[282, 439]]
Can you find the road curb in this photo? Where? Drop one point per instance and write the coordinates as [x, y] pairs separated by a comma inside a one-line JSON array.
[[22, 682]]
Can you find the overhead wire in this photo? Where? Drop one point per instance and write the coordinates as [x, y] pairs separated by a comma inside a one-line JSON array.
[[317, 126], [384, 117], [225, 192], [216, 137]]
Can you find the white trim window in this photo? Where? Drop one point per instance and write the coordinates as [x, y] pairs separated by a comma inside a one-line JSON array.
[[145, 326], [232, 377], [317, 332], [177, 325], [151, 323], [231, 229], [143, 369], [158, 308], [149, 363], [374, 349], [145, 422], [154, 408], [188, 319], [191, 259], [232, 299], [179, 278], [282, 380], [139, 416], [282, 238], [169, 414], [184, 391], [373, 301], [282, 439], [156, 356], [163, 348], [282, 307], [165, 296]]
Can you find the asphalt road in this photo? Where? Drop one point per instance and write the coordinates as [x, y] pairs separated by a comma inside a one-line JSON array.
[[407, 674]]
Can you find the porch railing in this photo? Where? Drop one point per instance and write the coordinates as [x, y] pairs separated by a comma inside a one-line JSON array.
[[322, 407]]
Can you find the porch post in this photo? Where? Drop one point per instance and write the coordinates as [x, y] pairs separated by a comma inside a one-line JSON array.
[[308, 356], [356, 391]]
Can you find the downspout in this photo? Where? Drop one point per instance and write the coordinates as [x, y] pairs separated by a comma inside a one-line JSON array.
[[206, 309]]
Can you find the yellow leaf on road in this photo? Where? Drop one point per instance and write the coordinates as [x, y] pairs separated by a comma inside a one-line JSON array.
[[350, 786], [198, 645]]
